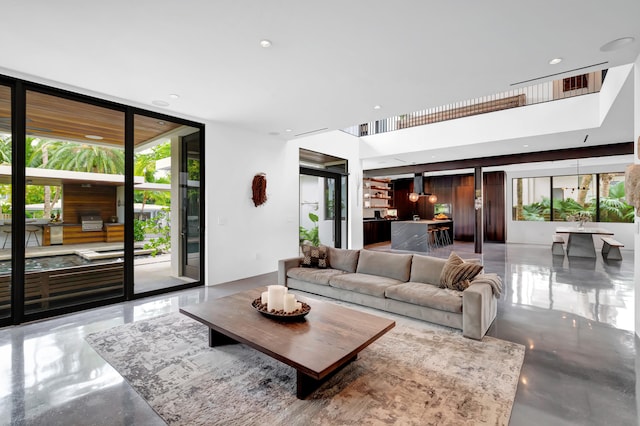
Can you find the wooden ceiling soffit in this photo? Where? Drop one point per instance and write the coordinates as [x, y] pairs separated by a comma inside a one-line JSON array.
[[53, 117]]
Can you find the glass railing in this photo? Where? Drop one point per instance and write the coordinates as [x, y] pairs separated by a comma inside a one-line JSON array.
[[577, 85]]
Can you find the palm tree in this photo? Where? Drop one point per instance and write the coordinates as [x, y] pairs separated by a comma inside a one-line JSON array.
[[613, 207], [87, 158]]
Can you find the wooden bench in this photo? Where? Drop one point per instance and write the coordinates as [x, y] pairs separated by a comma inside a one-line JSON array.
[[558, 245], [611, 249]]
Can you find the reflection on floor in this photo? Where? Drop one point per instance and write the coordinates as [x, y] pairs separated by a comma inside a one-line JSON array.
[[573, 317]]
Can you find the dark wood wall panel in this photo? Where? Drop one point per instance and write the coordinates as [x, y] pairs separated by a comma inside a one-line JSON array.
[[401, 190], [80, 201], [494, 207], [457, 190]]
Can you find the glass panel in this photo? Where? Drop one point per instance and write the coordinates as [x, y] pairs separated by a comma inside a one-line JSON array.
[[316, 227], [166, 252], [5, 201], [574, 198], [613, 205], [531, 199], [74, 168]]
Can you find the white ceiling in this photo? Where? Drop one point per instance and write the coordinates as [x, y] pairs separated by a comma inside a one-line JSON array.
[[330, 61]]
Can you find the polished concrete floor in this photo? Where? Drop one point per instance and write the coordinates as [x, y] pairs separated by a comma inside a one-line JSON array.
[[575, 319]]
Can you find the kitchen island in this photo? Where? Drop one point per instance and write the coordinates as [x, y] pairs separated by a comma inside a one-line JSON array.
[[413, 235]]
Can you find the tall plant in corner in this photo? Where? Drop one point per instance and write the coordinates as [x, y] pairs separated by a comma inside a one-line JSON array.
[[310, 235]]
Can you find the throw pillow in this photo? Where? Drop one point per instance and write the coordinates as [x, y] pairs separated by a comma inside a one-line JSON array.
[[314, 257], [456, 273]]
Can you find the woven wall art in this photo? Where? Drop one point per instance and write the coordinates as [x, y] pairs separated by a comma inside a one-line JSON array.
[[259, 189]]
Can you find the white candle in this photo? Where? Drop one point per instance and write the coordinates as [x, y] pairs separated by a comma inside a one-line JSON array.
[[289, 302], [299, 306], [276, 297], [264, 297]]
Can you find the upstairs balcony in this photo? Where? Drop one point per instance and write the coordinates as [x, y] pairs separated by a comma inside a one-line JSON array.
[[577, 85]]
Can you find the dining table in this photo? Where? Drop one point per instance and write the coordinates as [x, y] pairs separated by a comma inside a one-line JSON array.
[[580, 242]]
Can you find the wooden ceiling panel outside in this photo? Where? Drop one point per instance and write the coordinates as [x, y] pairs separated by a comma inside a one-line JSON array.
[[54, 117], [58, 118]]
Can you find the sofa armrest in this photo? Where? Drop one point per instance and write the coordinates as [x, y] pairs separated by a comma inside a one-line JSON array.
[[479, 309], [284, 265]]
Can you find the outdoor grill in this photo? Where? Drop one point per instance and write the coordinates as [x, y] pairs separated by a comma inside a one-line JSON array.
[[91, 223]]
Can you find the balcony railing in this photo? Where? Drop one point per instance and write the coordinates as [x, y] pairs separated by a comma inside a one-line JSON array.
[[577, 85]]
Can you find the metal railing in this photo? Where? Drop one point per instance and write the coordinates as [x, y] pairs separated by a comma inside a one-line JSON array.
[[581, 84]]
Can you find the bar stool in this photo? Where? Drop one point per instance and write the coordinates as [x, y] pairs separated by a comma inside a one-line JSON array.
[[7, 232], [445, 238], [432, 239], [32, 230]]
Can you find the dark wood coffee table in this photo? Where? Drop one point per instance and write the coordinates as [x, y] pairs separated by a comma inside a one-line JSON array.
[[329, 337]]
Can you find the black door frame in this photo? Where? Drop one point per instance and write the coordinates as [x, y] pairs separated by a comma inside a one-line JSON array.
[[337, 210], [19, 89]]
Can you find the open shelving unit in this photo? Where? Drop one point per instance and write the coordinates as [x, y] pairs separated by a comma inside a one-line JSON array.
[[377, 193]]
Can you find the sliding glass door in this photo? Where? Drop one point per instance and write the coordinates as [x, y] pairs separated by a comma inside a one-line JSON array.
[[5, 202], [74, 165], [322, 208], [166, 204], [89, 191]]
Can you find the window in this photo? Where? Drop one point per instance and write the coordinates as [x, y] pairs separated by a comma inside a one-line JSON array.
[[531, 198], [589, 197], [576, 82], [612, 203]]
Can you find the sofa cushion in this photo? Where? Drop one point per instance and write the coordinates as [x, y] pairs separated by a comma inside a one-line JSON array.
[[373, 285], [314, 257], [343, 259], [426, 269], [390, 265], [457, 273], [426, 295], [313, 275]]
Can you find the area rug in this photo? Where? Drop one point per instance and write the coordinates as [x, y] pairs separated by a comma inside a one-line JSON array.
[[416, 374]]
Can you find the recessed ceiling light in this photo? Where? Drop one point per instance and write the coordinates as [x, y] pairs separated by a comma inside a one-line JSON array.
[[174, 96], [617, 44], [265, 43], [525, 145], [94, 137], [160, 103], [555, 61], [288, 130], [377, 107]]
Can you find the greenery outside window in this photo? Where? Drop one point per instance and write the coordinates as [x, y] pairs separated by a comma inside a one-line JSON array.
[[591, 197], [531, 199]]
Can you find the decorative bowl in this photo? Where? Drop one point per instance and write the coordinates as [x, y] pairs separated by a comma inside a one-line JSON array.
[[279, 315]]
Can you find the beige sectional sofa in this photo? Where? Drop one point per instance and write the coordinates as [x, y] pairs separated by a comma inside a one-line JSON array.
[[406, 284]]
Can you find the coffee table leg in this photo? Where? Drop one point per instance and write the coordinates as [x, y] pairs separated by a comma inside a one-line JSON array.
[[219, 339], [306, 385]]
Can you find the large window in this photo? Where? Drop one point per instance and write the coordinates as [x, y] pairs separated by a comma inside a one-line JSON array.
[[531, 198], [585, 197]]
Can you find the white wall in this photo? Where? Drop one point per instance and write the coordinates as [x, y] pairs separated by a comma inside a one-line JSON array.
[[243, 240], [527, 232]]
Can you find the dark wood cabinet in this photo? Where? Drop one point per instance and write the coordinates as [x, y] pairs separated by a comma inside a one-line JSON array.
[[376, 231]]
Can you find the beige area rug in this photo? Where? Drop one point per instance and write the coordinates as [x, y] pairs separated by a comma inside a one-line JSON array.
[[417, 374]]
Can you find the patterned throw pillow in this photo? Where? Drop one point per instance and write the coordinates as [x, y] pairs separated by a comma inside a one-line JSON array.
[[314, 257], [457, 273]]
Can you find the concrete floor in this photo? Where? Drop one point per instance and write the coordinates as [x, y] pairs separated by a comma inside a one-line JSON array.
[[573, 317]]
